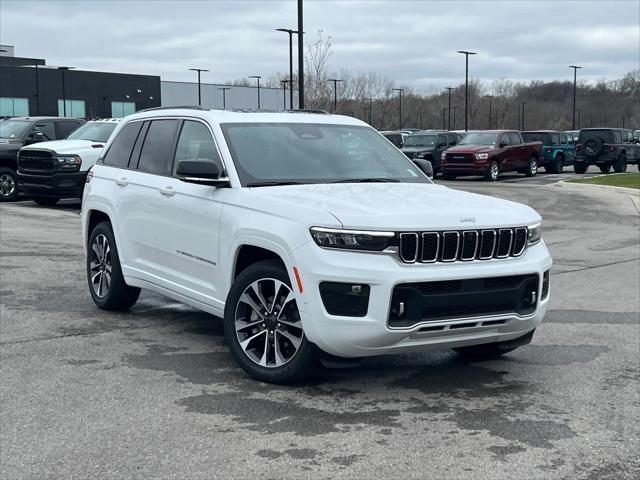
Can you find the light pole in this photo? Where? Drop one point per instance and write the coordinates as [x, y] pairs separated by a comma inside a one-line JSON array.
[[290, 32], [444, 113], [370, 109], [199, 70], [257, 77], [466, 54], [300, 56], [399, 90], [490, 97], [64, 94], [579, 123], [284, 93], [454, 116], [575, 76], [523, 104], [449, 88], [335, 92], [224, 96]]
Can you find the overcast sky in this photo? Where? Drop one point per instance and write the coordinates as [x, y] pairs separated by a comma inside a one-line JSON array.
[[410, 42]]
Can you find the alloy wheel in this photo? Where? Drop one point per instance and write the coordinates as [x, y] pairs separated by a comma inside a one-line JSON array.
[[7, 185], [267, 323], [533, 166], [494, 171], [100, 265]]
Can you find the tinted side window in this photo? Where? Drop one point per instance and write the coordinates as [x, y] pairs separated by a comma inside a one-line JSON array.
[[564, 138], [120, 150], [514, 138], [157, 151], [64, 128], [46, 127], [196, 143], [505, 139], [453, 140], [617, 137], [555, 139]]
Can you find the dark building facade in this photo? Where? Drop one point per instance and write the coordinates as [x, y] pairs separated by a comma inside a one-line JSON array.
[[30, 87]]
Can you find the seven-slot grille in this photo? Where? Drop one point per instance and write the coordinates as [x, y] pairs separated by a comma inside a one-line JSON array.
[[35, 161], [462, 245]]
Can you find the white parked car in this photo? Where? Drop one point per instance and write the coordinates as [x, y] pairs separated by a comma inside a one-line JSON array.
[[310, 234], [50, 171]]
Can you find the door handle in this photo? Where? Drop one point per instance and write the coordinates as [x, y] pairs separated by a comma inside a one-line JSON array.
[[168, 191], [123, 182]]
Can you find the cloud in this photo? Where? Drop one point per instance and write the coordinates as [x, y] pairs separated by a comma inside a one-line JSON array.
[[411, 42]]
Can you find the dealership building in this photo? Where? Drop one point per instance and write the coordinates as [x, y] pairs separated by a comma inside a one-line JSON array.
[[29, 86]]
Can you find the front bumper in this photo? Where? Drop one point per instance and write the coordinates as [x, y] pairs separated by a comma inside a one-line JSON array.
[[371, 335], [465, 168], [56, 185]]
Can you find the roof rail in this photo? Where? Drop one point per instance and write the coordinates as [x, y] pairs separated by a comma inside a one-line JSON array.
[[190, 107], [308, 110]]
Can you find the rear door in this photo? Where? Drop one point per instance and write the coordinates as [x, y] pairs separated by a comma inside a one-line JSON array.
[[188, 234]]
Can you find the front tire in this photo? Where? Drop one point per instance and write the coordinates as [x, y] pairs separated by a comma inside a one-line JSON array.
[[262, 326], [532, 169], [620, 165], [8, 185], [493, 173], [104, 274]]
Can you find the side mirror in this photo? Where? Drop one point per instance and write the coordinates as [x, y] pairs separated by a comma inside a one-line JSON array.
[[202, 173], [425, 166], [503, 143], [34, 137], [442, 144]]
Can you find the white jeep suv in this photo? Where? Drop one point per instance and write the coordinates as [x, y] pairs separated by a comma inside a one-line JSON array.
[[309, 234]]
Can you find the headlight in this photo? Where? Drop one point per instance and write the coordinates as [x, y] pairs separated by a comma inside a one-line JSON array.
[[481, 156], [443, 155], [351, 239], [68, 161], [535, 233]]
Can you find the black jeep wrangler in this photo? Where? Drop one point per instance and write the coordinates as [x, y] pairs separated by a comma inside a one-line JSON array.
[[429, 145], [606, 148]]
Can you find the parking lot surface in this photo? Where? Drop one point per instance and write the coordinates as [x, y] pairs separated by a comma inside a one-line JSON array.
[[153, 393]]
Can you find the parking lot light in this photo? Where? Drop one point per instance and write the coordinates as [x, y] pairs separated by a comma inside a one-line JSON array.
[[257, 77], [224, 96], [199, 70], [399, 90], [575, 76], [335, 92], [466, 53], [291, 33], [284, 94], [449, 89], [64, 90]]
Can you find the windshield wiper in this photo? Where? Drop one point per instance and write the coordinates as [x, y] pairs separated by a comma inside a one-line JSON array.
[[368, 180], [272, 184]]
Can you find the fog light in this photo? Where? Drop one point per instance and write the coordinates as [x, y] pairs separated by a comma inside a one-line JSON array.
[[345, 299]]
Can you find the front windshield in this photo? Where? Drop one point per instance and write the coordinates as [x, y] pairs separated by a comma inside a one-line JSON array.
[[276, 153], [13, 128], [94, 131], [479, 139], [420, 141]]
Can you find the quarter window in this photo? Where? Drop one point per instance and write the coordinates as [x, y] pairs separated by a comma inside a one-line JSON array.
[[157, 152], [196, 143], [617, 137], [514, 138], [555, 139], [120, 150]]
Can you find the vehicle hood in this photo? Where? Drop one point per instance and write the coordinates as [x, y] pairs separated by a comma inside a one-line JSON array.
[[395, 206], [66, 146], [416, 149], [470, 149]]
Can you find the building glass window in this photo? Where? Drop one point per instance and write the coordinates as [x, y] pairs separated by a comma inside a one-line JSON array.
[[122, 109], [16, 107], [74, 108]]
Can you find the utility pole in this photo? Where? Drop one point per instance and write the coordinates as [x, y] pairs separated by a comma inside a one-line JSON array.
[[300, 56], [466, 53]]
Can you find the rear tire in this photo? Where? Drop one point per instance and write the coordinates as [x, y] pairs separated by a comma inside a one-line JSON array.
[[558, 165], [605, 168], [104, 274], [620, 165], [45, 201], [262, 326], [580, 167]]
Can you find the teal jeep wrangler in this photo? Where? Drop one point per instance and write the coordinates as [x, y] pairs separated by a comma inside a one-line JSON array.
[[558, 148]]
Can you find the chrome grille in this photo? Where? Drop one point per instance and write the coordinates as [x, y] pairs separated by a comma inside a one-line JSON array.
[[463, 245]]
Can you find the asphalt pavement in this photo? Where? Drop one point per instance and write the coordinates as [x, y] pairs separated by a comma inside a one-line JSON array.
[[154, 393]]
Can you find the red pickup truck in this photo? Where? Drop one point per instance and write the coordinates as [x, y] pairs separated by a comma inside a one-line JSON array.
[[489, 153]]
